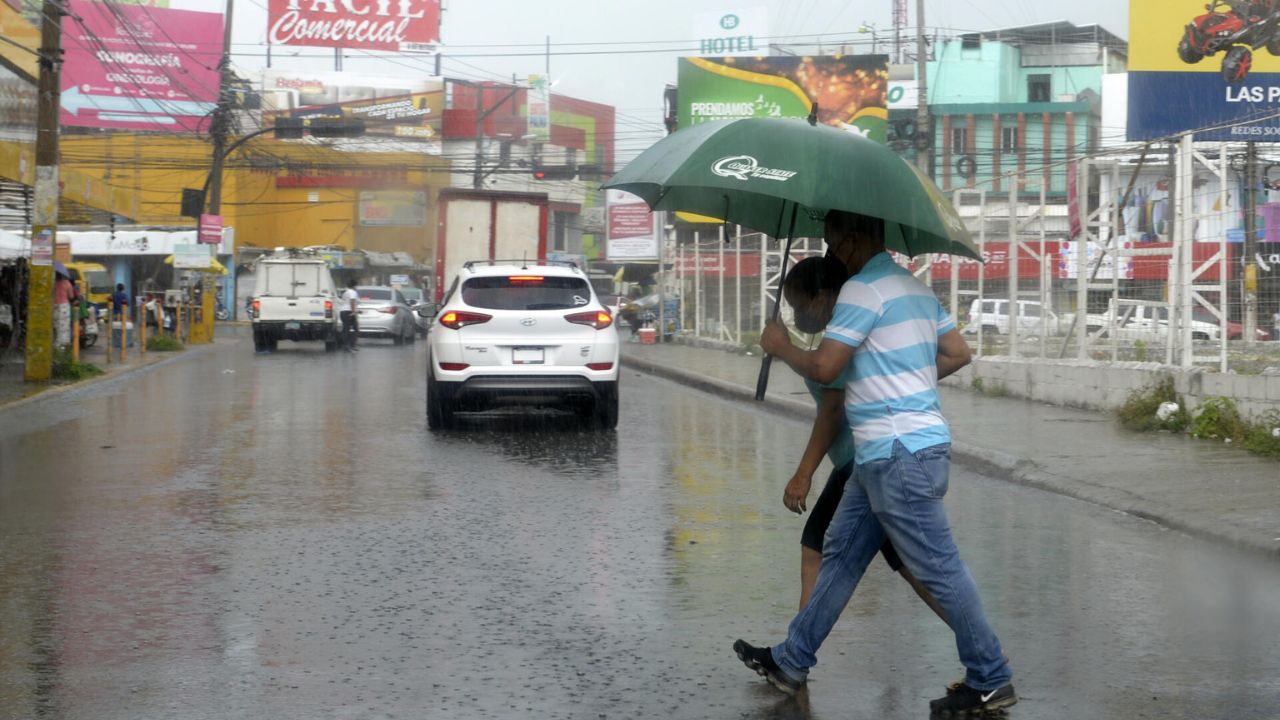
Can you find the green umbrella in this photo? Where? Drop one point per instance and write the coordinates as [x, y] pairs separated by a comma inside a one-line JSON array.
[[753, 172]]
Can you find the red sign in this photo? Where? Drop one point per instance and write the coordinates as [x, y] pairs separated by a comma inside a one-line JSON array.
[[391, 25], [210, 232], [709, 263], [137, 67], [996, 255], [1156, 267]]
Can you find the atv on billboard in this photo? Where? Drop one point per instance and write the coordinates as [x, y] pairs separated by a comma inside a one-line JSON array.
[[391, 25], [1212, 69], [850, 90]]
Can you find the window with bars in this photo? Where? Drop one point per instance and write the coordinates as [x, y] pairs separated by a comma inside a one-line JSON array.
[[959, 140]]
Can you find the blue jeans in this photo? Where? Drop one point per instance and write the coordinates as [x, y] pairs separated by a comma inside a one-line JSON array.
[[901, 498]]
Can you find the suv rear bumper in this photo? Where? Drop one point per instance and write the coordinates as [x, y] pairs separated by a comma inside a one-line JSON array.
[[483, 391]]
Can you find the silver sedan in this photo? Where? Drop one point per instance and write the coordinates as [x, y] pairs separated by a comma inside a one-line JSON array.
[[384, 312]]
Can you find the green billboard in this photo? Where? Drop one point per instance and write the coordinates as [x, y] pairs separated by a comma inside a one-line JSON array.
[[850, 90]]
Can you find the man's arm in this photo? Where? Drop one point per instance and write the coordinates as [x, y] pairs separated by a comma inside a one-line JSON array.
[[953, 353], [825, 427], [822, 365]]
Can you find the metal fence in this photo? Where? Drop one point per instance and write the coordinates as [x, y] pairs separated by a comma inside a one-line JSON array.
[[1143, 264]]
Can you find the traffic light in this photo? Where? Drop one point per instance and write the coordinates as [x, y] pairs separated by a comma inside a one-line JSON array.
[[192, 202], [554, 172]]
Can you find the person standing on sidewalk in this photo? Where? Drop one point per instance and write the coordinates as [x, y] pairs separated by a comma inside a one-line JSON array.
[[348, 314], [1275, 322], [64, 293], [899, 340]]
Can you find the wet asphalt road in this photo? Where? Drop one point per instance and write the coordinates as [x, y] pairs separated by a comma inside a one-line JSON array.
[[241, 536]]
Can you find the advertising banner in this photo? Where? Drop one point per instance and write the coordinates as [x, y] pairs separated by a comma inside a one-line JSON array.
[[392, 208], [1213, 71], [632, 231], [139, 67], [996, 265], [708, 264], [408, 108], [539, 108], [850, 90], [404, 25]]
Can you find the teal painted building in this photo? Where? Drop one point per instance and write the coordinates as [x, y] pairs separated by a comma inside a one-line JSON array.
[[1012, 108]]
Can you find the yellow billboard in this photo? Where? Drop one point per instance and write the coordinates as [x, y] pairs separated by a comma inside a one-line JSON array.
[[1209, 69]]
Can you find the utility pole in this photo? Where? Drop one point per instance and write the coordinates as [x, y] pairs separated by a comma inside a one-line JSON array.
[[1250, 294], [924, 150], [39, 351], [221, 126]]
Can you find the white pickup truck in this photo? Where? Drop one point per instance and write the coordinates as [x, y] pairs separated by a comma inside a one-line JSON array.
[[293, 299]]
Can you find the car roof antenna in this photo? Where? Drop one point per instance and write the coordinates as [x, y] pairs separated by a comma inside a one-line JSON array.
[[524, 260]]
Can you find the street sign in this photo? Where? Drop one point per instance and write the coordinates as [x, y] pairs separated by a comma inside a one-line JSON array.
[[191, 257], [210, 232]]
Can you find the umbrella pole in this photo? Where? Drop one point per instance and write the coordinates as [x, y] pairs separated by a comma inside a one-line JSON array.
[[762, 382]]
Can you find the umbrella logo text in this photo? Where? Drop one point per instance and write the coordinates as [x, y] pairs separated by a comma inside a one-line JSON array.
[[745, 167]]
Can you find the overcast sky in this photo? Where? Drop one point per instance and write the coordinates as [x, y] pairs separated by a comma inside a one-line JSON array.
[[662, 29]]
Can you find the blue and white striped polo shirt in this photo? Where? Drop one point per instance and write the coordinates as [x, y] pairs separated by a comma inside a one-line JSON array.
[[893, 321]]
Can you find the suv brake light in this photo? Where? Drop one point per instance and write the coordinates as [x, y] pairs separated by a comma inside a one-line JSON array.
[[389, 310], [597, 319], [328, 309], [455, 319], [257, 307]]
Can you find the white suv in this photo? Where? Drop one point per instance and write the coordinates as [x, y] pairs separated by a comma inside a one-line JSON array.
[[531, 334]]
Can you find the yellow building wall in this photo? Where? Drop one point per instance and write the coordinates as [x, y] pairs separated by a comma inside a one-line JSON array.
[[155, 169]]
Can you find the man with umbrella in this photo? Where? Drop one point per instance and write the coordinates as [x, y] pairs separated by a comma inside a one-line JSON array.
[[806, 179], [899, 340]]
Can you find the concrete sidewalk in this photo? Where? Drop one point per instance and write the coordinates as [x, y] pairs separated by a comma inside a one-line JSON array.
[[1205, 489], [15, 391]]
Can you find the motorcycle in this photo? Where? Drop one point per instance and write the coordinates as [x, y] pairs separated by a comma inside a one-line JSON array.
[[1237, 26], [220, 310], [88, 325]]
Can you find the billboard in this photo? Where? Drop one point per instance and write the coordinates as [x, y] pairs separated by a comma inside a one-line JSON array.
[[850, 90], [404, 25], [1215, 72], [390, 107], [392, 208], [139, 67]]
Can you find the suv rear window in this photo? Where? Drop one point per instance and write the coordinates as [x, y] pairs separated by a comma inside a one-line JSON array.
[[526, 292], [292, 279]]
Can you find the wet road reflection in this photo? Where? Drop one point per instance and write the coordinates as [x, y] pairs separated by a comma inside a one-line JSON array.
[[241, 536]]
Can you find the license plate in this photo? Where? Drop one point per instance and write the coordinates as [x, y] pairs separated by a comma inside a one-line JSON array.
[[526, 356], [293, 326]]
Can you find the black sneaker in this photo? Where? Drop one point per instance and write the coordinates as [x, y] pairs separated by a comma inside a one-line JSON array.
[[965, 701], [761, 660]]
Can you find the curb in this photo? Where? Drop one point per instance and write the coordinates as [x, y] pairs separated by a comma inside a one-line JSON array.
[[61, 390], [992, 463]]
